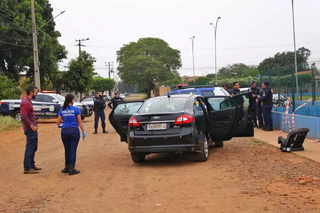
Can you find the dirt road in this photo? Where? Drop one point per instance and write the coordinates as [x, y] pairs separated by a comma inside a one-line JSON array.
[[244, 176]]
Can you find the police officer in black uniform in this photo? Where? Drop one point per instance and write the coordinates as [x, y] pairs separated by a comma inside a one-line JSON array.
[[114, 100], [255, 91], [99, 106], [236, 89], [266, 99]]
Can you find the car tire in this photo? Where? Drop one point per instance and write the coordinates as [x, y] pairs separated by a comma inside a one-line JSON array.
[[82, 117], [17, 115], [138, 157], [218, 144], [204, 154]]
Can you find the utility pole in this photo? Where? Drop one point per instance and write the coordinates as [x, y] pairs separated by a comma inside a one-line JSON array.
[[215, 49], [81, 45], [194, 72], [109, 65], [295, 50], [35, 48], [110, 68]]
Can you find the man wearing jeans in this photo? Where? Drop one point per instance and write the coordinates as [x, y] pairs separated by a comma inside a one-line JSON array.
[[30, 127]]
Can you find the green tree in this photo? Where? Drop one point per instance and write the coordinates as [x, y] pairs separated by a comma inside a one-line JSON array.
[[200, 81], [125, 88], [251, 71], [284, 62], [102, 84], [16, 54], [233, 71], [147, 62], [80, 74], [7, 87]]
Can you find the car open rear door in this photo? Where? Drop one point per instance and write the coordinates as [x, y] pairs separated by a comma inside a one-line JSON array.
[[245, 127], [120, 115], [224, 117]]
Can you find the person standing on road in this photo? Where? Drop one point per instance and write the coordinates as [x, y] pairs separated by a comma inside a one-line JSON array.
[[113, 102], [236, 89], [255, 91], [30, 127], [99, 107], [266, 99], [226, 88], [70, 133]]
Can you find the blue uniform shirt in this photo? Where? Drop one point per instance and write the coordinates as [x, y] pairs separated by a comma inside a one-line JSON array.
[[235, 92], [69, 116], [112, 101], [266, 98]]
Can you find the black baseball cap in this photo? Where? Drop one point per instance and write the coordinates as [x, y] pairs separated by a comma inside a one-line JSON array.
[[252, 82], [116, 93]]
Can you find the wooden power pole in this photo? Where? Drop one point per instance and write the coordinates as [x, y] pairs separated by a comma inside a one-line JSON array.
[[35, 49]]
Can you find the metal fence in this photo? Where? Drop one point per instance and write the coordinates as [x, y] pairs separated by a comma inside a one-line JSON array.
[[283, 83]]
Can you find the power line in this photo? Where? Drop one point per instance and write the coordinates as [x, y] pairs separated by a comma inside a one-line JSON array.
[[4, 42]]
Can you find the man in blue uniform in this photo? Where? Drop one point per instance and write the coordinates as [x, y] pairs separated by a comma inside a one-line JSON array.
[[114, 100], [255, 91], [236, 89], [266, 99], [99, 106]]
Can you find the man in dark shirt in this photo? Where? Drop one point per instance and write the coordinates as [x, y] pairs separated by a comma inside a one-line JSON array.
[[236, 89], [114, 100], [99, 106], [255, 91], [30, 127], [266, 99]]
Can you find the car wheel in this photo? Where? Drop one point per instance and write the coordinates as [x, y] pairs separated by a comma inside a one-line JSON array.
[[138, 157], [218, 144], [82, 117], [204, 154], [17, 115]]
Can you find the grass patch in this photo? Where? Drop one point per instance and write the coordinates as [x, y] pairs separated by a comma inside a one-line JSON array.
[[7, 123]]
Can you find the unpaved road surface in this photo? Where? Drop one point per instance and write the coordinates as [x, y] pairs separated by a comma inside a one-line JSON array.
[[243, 176]]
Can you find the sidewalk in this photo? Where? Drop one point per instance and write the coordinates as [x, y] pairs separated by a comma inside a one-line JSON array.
[[312, 148]]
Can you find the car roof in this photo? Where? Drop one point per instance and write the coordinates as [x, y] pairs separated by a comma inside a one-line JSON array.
[[179, 96]]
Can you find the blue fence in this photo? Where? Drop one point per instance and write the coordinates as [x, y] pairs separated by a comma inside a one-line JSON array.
[[313, 123]]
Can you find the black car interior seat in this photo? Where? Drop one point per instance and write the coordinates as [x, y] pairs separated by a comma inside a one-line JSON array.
[[294, 140]]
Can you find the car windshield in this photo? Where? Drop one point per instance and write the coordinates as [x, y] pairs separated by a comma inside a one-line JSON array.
[[88, 99], [220, 92], [163, 105], [59, 97]]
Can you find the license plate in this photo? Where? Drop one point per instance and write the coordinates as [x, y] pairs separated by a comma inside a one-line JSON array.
[[156, 126]]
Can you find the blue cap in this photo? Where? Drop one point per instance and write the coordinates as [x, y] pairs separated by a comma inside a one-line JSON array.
[[266, 83]]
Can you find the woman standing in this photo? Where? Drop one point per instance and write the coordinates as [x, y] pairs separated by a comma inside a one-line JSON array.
[[70, 133]]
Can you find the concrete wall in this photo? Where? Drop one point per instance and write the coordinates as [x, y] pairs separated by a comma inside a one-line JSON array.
[[313, 123]]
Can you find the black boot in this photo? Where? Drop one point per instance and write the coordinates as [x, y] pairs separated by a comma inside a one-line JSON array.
[[95, 132], [66, 169], [72, 171], [104, 131]]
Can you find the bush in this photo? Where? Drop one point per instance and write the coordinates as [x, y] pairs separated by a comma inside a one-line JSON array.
[[6, 88], [7, 123]]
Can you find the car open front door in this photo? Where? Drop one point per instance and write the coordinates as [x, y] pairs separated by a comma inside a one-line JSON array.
[[120, 115], [246, 127], [224, 117]]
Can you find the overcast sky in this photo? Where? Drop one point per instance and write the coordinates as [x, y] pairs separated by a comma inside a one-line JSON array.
[[248, 32]]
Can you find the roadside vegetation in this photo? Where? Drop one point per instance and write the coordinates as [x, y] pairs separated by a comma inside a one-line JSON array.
[[7, 123]]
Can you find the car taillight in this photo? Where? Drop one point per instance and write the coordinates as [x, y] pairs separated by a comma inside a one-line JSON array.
[[184, 119], [1, 103], [133, 122]]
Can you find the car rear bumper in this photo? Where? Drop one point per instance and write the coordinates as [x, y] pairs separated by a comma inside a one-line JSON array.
[[186, 143]]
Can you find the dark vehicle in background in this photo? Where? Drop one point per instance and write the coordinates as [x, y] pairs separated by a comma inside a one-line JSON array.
[[182, 123]]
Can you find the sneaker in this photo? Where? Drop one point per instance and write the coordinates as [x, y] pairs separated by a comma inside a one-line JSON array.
[[104, 131], [31, 171]]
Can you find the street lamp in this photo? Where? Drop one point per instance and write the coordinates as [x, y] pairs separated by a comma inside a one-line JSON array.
[[295, 48], [51, 20], [194, 72], [215, 48]]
